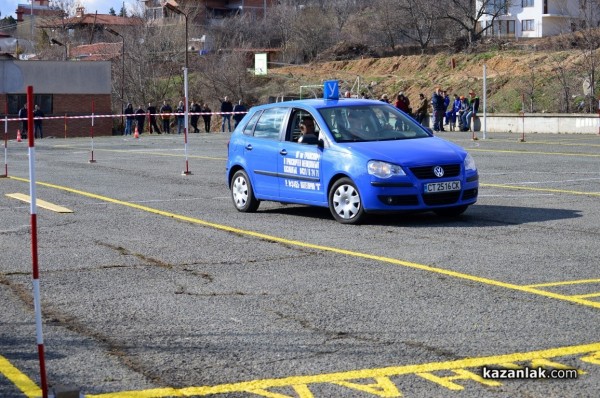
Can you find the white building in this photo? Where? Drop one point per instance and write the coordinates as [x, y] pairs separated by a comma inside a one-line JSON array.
[[538, 18]]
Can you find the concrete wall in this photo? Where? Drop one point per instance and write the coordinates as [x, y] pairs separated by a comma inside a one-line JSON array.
[[541, 123]]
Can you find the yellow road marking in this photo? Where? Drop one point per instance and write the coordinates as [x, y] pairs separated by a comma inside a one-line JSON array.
[[517, 187], [383, 387], [330, 249], [597, 294], [574, 282], [20, 380], [39, 203]]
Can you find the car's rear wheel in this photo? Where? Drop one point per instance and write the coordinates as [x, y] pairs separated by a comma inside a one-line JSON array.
[[451, 211], [345, 203], [242, 193]]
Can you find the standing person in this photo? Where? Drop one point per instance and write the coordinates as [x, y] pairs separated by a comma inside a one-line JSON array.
[[195, 109], [384, 98], [464, 107], [140, 118], [472, 112], [238, 115], [454, 111], [437, 105], [180, 117], [226, 107], [446, 105], [206, 117], [165, 115], [421, 112], [129, 117], [152, 123], [37, 123], [23, 115]]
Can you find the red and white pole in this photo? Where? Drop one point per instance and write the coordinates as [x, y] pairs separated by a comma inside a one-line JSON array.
[[92, 135], [187, 171], [5, 142], [34, 251]]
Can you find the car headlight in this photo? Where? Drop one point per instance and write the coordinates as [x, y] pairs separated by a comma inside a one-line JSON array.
[[470, 162], [384, 169]]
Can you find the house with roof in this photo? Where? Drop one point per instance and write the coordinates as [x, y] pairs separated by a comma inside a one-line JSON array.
[[537, 18], [207, 11]]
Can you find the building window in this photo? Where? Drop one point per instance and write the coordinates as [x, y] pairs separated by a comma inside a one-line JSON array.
[[17, 101], [527, 3], [527, 25]]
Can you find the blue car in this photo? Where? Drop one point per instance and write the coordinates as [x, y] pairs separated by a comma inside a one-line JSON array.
[[354, 156]]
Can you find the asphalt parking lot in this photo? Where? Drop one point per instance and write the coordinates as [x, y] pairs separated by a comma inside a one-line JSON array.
[[155, 286]]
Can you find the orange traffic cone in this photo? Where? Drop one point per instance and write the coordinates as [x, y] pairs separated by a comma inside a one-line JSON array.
[[136, 133], [19, 139]]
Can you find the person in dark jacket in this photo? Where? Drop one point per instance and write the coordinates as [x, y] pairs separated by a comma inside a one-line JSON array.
[[238, 115], [153, 126], [226, 108], [140, 118], [437, 104], [206, 117], [165, 115], [37, 123], [129, 118], [23, 115], [195, 109]]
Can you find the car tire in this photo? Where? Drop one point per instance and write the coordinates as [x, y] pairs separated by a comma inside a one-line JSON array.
[[345, 202], [242, 193], [451, 211]]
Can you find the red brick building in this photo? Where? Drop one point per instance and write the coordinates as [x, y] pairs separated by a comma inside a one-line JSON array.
[[65, 91]]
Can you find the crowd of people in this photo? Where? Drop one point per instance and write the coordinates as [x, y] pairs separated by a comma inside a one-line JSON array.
[[173, 120], [457, 112]]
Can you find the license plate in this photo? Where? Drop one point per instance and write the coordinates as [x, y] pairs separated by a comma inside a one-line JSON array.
[[445, 186]]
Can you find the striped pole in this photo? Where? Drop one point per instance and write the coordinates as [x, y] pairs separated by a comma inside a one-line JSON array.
[[5, 142], [187, 171], [34, 252], [92, 134]]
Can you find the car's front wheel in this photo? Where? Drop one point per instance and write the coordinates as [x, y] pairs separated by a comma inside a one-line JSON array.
[[242, 193], [345, 203]]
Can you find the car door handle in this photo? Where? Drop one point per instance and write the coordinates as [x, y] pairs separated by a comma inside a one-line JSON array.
[[249, 147], [283, 152]]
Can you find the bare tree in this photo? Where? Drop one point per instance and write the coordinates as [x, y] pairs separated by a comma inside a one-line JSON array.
[[419, 20], [468, 13]]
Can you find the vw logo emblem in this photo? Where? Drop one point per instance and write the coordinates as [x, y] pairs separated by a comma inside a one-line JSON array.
[[438, 171]]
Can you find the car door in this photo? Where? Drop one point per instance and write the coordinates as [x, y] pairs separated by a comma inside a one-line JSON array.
[[299, 164], [261, 151]]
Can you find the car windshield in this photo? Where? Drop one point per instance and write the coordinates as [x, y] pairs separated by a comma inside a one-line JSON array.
[[370, 123]]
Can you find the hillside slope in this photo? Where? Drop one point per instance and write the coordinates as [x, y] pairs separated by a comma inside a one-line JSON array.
[[540, 81]]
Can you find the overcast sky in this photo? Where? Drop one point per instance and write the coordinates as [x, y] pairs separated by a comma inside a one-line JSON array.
[[8, 7]]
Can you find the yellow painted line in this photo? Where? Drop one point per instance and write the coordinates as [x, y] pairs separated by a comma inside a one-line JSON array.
[[573, 282], [591, 155], [40, 203], [518, 187], [381, 375], [133, 151], [20, 380], [597, 294], [330, 249]]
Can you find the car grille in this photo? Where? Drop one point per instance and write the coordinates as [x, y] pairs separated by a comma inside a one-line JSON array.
[[426, 172], [399, 200], [443, 198], [469, 194]]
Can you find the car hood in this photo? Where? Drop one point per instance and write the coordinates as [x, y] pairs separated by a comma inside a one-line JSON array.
[[410, 151]]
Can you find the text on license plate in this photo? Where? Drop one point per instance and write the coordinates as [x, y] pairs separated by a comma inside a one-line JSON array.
[[442, 186]]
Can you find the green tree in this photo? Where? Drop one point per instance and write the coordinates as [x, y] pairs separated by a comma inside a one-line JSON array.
[[112, 12]]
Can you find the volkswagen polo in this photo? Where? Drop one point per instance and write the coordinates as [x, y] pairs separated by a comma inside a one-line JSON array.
[[363, 156]]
